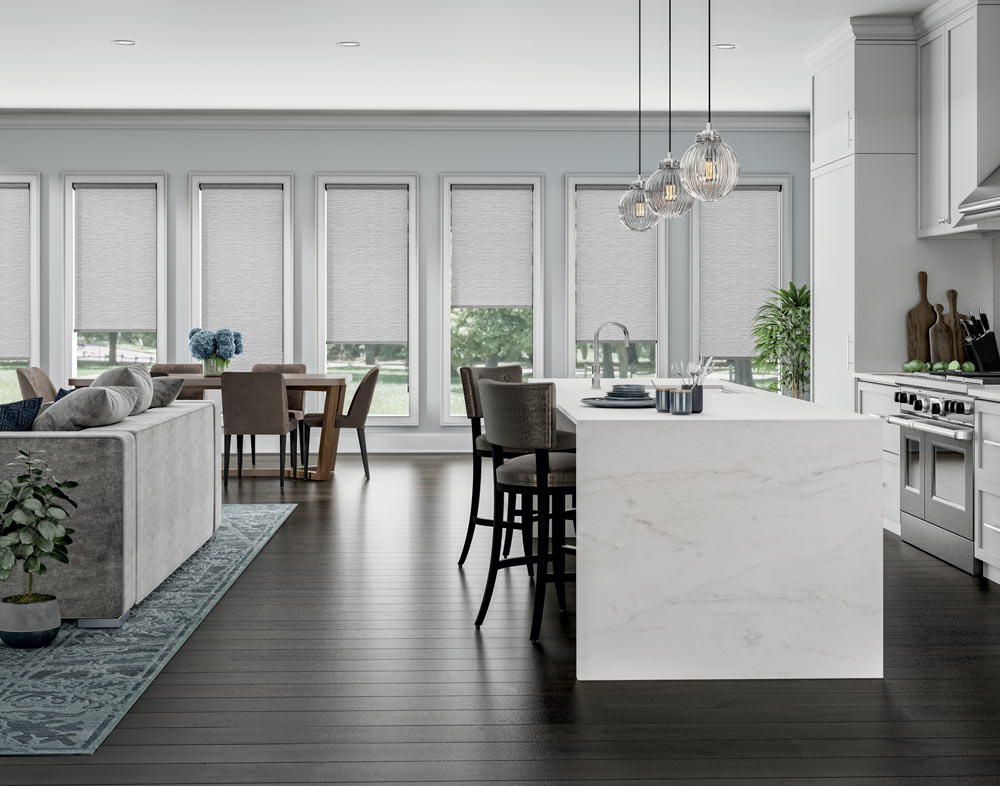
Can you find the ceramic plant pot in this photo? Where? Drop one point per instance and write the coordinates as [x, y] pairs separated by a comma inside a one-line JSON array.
[[29, 625]]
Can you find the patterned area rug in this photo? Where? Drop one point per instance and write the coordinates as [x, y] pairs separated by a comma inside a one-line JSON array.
[[68, 697]]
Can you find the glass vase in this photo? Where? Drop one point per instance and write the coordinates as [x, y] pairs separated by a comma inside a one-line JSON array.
[[215, 366]]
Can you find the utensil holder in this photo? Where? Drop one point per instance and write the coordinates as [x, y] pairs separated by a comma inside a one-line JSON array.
[[663, 399], [984, 353], [681, 401], [697, 397]]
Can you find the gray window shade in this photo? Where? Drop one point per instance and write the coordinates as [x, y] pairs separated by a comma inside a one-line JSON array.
[[114, 256], [367, 258], [15, 271], [615, 268], [739, 254], [492, 242], [242, 267]]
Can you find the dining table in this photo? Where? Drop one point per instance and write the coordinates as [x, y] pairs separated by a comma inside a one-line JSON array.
[[332, 386]]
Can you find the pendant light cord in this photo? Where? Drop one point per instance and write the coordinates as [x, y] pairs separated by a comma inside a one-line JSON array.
[[710, 62], [670, 78], [639, 168]]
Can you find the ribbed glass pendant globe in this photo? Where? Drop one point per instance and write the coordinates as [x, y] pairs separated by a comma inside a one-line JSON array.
[[634, 209], [665, 191], [710, 168]]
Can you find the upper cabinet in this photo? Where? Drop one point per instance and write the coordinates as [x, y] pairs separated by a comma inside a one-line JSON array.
[[959, 143], [833, 111]]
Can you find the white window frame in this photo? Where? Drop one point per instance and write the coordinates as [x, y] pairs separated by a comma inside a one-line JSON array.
[[197, 179], [538, 278], [32, 180], [413, 282], [662, 277], [784, 263], [70, 179]]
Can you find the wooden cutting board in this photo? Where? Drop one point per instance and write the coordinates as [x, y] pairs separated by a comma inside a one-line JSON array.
[[919, 321], [941, 340], [951, 319]]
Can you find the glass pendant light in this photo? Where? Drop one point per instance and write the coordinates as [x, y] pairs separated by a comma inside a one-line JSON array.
[[634, 209], [664, 189], [710, 168]]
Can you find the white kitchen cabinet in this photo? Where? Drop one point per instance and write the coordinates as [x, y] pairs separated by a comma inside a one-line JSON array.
[[932, 60], [833, 111], [877, 401]]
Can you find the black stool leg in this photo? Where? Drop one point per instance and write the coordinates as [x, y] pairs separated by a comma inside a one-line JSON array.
[[253, 450], [542, 562], [491, 577], [364, 452], [509, 537], [477, 482], [228, 443], [239, 457], [282, 445], [558, 542], [527, 527]]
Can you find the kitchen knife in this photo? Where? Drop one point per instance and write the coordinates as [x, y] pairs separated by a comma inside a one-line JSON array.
[[974, 327], [982, 318], [965, 329]]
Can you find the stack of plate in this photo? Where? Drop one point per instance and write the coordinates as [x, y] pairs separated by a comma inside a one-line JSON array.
[[628, 393]]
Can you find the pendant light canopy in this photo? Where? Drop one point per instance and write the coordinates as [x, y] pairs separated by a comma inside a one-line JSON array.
[[634, 209], [710, 168], [665, 188]]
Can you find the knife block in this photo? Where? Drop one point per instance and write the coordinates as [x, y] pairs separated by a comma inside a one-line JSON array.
[[983, 352]]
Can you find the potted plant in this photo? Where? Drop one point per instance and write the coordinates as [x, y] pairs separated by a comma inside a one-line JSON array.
[[34, 508], [781, 330], [215, 348]]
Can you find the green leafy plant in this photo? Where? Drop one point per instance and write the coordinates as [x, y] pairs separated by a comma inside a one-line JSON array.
[[781, 338], [34, 507]]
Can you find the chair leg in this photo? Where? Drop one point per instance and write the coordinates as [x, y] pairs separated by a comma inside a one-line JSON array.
[[364, 451], [294, 434], [542, 562], [509, 535], [491, 576], [253, 450], [239, 457], [527, 512], [477, 481], [558, 554], [304, 440], [282, 446], [227, 444]]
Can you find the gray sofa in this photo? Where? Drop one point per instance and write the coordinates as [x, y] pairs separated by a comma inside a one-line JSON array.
[[149, 497]]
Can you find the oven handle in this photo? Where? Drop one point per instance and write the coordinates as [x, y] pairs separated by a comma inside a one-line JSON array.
[[961, 434]]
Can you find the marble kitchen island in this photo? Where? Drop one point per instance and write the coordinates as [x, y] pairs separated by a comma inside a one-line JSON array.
[[741, 543]]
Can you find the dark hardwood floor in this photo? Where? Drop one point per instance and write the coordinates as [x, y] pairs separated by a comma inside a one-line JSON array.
[[346, 654]]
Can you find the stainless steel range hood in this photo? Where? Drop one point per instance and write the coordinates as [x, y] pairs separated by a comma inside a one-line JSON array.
[[983, 204]]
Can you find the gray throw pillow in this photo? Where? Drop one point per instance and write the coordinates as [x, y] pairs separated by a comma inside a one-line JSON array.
[[86, 408], [134, 376], [165, 390]]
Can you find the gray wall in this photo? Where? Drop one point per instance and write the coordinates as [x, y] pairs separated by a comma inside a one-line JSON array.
[[599, 147]]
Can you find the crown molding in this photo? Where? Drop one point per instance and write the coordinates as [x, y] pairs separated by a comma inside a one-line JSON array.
[[371, 121], [942, 11], [860, 30]]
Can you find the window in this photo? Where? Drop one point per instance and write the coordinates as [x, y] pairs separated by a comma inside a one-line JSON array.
[[116, 270], [19, 302], [367, 287], [615, 275], [242, 262], [740, 252], [492, 278]]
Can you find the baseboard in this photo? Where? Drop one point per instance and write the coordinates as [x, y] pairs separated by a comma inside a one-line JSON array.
[[892, 526]]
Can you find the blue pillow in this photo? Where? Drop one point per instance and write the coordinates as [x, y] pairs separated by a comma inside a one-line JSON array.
[[63, 392], [20, 415]]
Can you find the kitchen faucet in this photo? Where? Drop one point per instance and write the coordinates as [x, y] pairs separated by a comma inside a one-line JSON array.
[[595, 372]]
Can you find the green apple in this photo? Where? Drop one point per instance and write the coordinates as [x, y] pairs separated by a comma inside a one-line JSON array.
[[954, 365], [968, 365]]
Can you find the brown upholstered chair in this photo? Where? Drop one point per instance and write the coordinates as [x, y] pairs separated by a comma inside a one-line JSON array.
[[35, 383], [296, 398], [166, 369], [356, 417], [256, 403]]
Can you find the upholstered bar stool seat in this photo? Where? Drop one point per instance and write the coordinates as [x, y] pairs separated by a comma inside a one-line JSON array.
[[565, 440], [522, 471]]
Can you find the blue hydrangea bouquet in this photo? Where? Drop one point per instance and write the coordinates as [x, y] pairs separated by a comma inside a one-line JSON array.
[[215, 348]]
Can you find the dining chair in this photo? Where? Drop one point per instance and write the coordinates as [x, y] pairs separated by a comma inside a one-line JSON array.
[[35, 383], [356, 418], [522, 417], [256, 403], [166, 369], [296, 398]]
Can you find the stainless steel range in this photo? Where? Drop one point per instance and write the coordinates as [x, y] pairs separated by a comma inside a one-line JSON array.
[[937, 471]]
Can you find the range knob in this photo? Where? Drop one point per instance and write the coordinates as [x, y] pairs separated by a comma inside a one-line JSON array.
[[949, 405], [899, 397], [935, 408], [917, 403], [912, 398], [959, 407]]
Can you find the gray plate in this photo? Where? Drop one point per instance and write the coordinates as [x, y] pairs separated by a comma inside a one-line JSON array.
[[619, 403]]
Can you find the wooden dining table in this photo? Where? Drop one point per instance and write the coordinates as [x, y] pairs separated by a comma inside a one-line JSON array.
[[334, 388]]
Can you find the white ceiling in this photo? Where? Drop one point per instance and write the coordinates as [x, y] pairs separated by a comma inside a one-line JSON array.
[[546, 55]]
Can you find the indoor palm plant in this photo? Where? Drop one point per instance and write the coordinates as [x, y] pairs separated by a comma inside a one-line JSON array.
[[34, 508], [781, 330]]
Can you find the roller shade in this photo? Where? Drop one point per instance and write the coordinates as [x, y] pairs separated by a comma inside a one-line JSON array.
[[114, 256], [242, 267], [492, 246], [15, 271], [739, 255], [367, 258], [615, 268]]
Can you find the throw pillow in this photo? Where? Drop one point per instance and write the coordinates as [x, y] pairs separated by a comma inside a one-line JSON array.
[[20, 415], [134, 376], [63, 392], [165, 390], [88, 407]]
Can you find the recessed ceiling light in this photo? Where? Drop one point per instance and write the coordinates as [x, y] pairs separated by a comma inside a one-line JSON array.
[[350, 44], [123, 42], [725, 46]]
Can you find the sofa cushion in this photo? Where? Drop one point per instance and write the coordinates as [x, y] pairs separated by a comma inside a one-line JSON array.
[[88, 407], [165, 391], [63, 392], [20, 415], [134, 376]]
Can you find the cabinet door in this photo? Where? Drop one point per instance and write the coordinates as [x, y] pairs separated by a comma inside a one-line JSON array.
[[833, 111], [879, 400], [963, 113], [933, 150]]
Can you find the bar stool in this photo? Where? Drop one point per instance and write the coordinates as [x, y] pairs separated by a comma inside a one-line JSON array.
[[521, 417]]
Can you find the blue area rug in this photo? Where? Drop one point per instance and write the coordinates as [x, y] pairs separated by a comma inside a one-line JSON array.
[[68, 697]]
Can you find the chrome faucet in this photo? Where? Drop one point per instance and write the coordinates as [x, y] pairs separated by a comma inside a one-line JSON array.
[[595, 372]]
